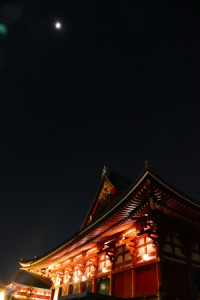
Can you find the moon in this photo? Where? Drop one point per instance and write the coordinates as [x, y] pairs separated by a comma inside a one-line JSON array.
[[58, 25]]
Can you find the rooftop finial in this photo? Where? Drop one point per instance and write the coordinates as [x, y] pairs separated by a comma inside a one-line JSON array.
[[104, 171], [146, 164]]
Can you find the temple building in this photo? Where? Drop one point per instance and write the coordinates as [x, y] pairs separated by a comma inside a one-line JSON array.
[[25, 286], [139, 240]]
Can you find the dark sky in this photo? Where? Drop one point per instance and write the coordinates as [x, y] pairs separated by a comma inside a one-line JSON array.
[[119, 84]]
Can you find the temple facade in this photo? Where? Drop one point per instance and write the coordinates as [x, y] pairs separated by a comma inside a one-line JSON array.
[[140, 240]]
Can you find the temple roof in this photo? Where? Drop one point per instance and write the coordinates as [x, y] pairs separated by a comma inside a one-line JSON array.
[[24, 278], [131, 202]]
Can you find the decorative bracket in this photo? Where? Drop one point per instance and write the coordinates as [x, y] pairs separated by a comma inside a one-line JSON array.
[[131, 246], [109, 251], [111, 254]]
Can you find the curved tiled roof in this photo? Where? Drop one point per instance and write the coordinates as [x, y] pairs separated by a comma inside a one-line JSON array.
[[133, 200], [25, 278]]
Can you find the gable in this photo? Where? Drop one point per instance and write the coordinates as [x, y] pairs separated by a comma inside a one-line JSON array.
[[111, 187], [105, 196]]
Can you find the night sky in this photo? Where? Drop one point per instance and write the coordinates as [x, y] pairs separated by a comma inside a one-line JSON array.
[[117, 85]]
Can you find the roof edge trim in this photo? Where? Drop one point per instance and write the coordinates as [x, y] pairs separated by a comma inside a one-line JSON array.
[[174, 191]]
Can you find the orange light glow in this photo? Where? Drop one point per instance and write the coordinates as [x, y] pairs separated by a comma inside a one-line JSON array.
[[145, 257], [104, 270], [1, 295], [131, 231], [108, 242], [67, 261], [91, 250]]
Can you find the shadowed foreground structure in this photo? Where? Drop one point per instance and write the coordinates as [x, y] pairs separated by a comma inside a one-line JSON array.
[[139, 239], [27, 286]]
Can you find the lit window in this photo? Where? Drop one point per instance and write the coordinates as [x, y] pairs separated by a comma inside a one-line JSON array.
[[104, 286]]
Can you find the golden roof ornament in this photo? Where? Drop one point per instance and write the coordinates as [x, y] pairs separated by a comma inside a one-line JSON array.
[[146, 164]]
